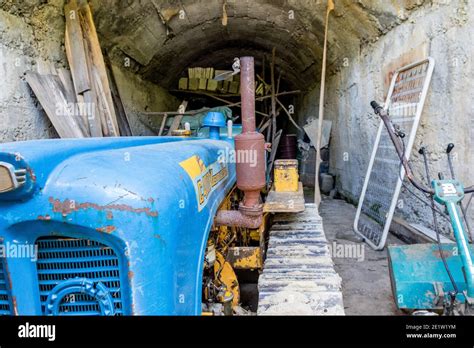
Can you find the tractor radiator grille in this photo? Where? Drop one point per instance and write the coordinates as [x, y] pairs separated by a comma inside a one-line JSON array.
[[62, 259], [5, 296]]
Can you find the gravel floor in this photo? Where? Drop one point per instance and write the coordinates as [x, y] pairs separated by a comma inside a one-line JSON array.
[[365, 278]]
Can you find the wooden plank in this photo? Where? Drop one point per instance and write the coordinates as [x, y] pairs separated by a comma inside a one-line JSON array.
[[75, 52], [52, 96], [95, 115], [202, 84], [99, 71], [212, 85], [193, 84], [163, 123], [66, 79], [225, 86], [183, 83], [234, 87], [89, 101], [108, 128], [177, 119], [411, 234], [76, 55], [76, 101], [122, 118]]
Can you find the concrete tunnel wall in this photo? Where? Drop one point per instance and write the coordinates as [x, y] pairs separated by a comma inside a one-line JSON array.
[[151, 43], [443, 30], [32, 38]]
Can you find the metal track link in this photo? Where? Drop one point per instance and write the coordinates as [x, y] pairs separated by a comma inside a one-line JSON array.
[[298, 276]]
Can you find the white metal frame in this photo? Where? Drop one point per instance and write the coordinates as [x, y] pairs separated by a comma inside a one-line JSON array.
[[429, 73]]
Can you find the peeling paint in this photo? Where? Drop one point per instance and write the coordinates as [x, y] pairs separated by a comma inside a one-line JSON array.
[[106, 229], [69, 206], [110, 215], [446, 253]]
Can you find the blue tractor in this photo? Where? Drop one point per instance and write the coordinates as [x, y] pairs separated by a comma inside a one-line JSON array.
[[128, 226]]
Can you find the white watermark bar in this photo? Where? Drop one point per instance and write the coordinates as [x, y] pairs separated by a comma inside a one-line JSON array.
[[19, 250], [238, 156], [347, 251]]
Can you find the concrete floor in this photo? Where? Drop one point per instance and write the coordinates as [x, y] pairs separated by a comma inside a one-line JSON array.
[[365, 284]]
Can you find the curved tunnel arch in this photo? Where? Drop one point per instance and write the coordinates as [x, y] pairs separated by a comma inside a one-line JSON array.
[[164, 38]]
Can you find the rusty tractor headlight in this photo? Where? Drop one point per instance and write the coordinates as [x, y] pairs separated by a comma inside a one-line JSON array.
[[11, 178]]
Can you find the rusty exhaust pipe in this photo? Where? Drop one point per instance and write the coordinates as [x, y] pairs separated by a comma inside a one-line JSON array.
[[250, 150]]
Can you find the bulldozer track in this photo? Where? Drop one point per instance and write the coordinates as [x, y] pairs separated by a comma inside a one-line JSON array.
[[298, 276]]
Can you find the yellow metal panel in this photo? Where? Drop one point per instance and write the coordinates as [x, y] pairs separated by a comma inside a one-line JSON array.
[[226, 275], [286, 176], [245, 257], [193, 166]]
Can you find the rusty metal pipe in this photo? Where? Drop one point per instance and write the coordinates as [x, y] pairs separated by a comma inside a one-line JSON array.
[[247, 93], [238, 219], [250, 145], [250, 149]]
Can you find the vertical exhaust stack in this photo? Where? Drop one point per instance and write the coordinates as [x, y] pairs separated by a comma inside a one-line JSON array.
[[250, 149], [250, 145]]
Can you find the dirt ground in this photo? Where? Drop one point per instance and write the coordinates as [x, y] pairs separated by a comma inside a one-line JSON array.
[[365, 280]]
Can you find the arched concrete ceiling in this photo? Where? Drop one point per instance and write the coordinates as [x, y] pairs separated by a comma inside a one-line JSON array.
[[165, 37]]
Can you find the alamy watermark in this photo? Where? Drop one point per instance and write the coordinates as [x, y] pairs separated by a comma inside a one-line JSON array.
[[247, 156], [19, 250], [347, 251]]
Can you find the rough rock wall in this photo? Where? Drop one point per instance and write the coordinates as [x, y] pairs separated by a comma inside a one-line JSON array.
[[445, 29], [190, 32], [140, 96], [32, 38]]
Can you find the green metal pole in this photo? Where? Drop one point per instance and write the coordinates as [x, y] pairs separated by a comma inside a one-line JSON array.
[[463, 246]]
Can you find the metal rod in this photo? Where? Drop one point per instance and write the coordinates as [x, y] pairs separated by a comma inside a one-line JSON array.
[[273, 113], [317, 193], [435, 220], [463, 247], [194, 112], [247, 93], [289, 115], [463, 209]]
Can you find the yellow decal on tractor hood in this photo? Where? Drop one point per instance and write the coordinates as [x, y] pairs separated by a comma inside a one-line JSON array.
[[205, 179]]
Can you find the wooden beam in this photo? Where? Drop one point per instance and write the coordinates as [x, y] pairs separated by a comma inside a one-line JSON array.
[[75, 51], [98, 70], [122, 118], [317, 193], [52, 96], [78, 63], [163, 123]]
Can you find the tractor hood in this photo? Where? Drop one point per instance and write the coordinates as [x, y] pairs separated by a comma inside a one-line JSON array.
[[150, 199]]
